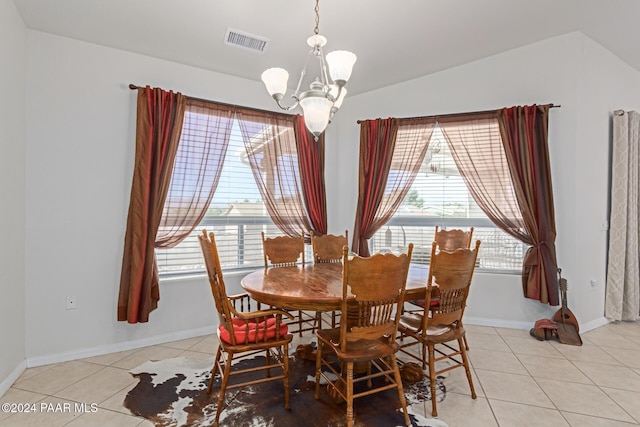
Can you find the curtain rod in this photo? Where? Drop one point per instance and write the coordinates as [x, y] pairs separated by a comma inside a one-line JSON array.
[[135, 87], [442, 116], [258, 110]]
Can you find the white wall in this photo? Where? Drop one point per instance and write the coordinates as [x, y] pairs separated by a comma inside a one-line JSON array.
[[80, 153], [571, 71], [606, 84], [13, 48]]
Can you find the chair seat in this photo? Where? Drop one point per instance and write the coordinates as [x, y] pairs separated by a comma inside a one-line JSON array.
[[357, 351], [250, 331], [411, 323]]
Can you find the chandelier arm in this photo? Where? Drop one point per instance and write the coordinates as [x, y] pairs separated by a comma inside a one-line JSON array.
[[302, 74], [324, 75], [278, 98], [335, 98]]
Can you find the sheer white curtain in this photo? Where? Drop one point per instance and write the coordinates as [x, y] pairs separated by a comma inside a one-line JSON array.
[[623, 275]]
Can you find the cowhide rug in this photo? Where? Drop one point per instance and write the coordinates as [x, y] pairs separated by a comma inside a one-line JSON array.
[[173, 393]]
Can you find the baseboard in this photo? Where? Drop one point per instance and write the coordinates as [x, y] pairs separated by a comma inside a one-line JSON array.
[[596, 323], [12, 377], [181, 335], [497, 323], [481, 321], [114, 348]]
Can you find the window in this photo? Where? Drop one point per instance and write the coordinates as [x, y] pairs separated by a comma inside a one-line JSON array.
[[439, 196], [236, 214]]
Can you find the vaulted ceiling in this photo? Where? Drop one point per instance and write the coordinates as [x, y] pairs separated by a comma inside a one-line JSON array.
[[395, 40]]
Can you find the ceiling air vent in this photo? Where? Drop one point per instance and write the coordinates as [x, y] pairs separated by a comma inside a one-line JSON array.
[[245, 40]]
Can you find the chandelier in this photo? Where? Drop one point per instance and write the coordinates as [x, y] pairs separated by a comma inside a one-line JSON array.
[[326, 92]]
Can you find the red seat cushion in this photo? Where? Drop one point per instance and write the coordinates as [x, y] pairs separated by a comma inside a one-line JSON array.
[[255, 330], [420, 302]]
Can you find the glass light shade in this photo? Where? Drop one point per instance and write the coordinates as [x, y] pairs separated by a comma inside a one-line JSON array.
[[316, 111], [275, 80], [340, 64]]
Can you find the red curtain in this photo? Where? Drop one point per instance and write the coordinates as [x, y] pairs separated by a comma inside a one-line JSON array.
[[159, 124], [311, 163], [524, 132], [377, 142]]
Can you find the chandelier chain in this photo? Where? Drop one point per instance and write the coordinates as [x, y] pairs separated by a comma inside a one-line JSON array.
[[317, 9]]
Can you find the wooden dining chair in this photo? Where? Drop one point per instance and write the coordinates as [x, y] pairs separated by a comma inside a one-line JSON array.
[[243, 333], [448, 240], [282, 251], [327, 248], [372, 293], [287, 251], [451, 274]]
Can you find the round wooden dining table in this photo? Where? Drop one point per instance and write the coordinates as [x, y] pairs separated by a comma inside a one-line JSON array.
[[316, 287]]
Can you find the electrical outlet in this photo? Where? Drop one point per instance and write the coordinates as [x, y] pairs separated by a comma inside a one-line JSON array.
[[72, 303]]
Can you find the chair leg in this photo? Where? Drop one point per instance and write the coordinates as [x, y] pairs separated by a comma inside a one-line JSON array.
[[423, 354], [285, 362], [432, 380], [223, 388], [318, 322], [213, 369], [403, 400], [267, 358], [465, 361], [316, 393], [300, 323], [466, 344], [349, 394]]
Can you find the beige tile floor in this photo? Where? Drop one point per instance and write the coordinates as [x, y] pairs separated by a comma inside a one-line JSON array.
[[520, 382]]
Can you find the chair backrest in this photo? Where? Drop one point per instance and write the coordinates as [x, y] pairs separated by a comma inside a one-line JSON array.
[[282, 251], [450, 240], [451, 272], [372, 292], [216, 281], [328, 248]]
